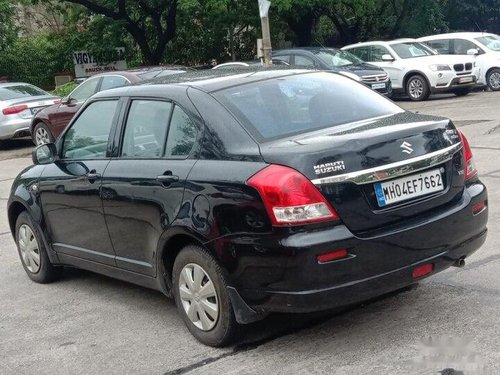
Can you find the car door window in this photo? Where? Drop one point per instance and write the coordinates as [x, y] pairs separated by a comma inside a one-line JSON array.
[[111, 82], [376, 53], [285, 58], [181, 135], [461, 46], [85, 90], [361, 52], [441, 46], [88, 136], [146, 129], [303, 61]]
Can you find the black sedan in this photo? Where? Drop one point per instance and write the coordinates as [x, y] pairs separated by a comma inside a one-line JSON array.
[[241, 194]]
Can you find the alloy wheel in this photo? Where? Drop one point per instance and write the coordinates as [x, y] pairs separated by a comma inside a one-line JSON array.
[[41, 136], [416, 88], [494, 80], [30, 251], [198, 297]]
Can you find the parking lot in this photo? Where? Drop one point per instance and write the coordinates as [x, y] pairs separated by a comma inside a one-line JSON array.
[[92, 324]]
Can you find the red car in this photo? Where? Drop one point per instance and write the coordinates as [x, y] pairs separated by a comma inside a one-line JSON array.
[[49, 123]]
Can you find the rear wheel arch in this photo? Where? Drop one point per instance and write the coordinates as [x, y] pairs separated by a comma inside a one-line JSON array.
[[168, 253]]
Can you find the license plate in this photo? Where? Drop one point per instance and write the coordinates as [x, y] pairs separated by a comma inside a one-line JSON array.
[[465, 79], [376, 86], [408, 187]]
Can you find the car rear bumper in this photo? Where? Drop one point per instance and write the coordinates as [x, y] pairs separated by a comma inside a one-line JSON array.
[[288, 278], [14, 128]]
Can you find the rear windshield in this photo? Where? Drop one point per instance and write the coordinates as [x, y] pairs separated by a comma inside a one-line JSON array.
[[21, 91], [301, 103]]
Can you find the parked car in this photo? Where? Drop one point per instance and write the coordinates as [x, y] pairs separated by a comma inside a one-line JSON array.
[[18, 103], [218, 190], [339, 61], [485, 46], [48, 124], [416, 70]]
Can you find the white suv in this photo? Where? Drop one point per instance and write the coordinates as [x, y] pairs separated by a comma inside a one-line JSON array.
[[416, 70], [485, 46]]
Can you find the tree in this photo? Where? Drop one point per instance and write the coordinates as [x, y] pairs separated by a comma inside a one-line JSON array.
[[151, 23], [8, 30]]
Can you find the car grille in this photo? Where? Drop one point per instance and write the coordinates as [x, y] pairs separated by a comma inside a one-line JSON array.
[[375, 78], [461, 67]]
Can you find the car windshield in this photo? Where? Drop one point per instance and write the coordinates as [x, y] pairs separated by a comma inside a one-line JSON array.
[[337, 58], [20, 91], [411, 49], [491, 42], [302, 103]]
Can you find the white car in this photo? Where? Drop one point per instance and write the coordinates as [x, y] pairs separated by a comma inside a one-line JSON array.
[[486, 48], [416, 70]]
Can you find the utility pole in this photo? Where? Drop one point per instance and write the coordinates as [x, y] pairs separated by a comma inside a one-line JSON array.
[[266, 32]]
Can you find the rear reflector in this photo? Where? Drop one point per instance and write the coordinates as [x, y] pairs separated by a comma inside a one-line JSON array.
[[470, 168], [479, 207], [422, 270], [290, 198], [14, 109], [333, 255]]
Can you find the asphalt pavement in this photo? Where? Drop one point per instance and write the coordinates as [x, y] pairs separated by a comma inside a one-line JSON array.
[[91, 324]]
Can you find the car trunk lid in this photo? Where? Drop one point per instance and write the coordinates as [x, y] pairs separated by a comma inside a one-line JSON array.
[[345, 162]]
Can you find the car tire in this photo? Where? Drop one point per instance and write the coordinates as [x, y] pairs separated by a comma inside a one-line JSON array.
[[417, 88], [42, 134], [194, 269], [32, 252], [462, 92], [493, 79]]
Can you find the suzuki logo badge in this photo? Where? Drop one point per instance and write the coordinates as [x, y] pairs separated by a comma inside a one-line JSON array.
[[406, 148]]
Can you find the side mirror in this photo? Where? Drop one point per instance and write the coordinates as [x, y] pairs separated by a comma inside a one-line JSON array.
[[387, 57], [44, 154], [473, 51], [66, 100]]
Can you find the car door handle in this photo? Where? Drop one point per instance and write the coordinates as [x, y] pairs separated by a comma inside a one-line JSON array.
[[93, 176], [167, 178]]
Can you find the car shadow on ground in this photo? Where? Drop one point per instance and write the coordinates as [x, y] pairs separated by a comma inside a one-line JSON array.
[[251, 336], [15, 148]]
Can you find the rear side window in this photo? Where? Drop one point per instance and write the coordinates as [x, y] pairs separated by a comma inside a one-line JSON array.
[[301, 103], [181, 135], [88, 136], [146, 129]]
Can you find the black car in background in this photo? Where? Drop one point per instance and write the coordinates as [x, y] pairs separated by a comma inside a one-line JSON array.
[[241, 194], [339, 61]]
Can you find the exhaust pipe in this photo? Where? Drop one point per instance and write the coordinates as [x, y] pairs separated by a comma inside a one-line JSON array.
[[460, 263]]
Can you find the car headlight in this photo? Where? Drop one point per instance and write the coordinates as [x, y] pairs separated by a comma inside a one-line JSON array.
[[351, 76], [439, 67]]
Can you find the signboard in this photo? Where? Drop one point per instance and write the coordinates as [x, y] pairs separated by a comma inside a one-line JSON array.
[[87, 64]]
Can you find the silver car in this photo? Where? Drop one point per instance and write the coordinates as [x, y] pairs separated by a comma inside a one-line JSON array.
[[18, 104]]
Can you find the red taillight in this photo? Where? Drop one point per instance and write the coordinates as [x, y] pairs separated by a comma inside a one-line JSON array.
[[422, 270], [333, 255], [290, 198], [470, 168], [14, 109]]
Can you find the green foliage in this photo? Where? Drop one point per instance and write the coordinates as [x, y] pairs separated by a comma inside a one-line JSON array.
[[8, 29], [64, 90]]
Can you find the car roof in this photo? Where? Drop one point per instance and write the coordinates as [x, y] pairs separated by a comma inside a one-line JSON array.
[[305, 49], [207, 80], [133, 73], [387, 42], [9, 84], [464, 34]]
